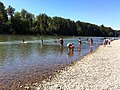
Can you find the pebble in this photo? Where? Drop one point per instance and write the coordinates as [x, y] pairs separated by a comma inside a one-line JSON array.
[[99, 70]]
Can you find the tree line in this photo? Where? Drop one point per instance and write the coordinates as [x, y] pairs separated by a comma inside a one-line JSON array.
[[26, 23]]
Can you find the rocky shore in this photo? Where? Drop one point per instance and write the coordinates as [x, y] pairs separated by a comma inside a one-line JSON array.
[[99, 70]]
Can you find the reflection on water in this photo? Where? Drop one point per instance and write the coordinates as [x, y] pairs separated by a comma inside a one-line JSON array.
[[30, 62], [79, 48], [70, 54], [61, 49]]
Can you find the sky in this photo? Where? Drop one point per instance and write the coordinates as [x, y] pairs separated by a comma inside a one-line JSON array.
[[106, 12]]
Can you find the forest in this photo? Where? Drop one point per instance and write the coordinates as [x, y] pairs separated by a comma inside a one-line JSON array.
[[26, 23]]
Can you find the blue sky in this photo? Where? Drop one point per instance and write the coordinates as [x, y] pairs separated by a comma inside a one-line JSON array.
[[106, 12]]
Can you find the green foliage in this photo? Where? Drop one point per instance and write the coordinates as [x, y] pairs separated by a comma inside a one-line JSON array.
[[10, 11], [3, 14], [26, 23]]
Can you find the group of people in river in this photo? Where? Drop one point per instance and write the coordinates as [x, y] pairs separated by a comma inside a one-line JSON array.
[[71, 46]]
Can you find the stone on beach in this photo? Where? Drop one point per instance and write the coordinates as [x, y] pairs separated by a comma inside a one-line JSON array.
[[99, 70]]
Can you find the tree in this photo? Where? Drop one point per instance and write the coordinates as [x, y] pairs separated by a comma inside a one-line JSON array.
[[23, 13], [10, 11], [3, 14], [26, 23], [79, 29]]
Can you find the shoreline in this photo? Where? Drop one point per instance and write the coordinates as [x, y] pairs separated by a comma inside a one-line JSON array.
[[94, 71], [28, 75]]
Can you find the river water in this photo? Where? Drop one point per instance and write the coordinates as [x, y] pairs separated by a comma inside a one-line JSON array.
[[32, 62]]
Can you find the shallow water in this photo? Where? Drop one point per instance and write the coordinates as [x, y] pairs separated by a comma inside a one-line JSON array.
[[32, 62]]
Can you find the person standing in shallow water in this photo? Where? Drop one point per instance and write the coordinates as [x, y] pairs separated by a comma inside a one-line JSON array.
[[87, 40], [104, 41], [61, 41], [23, 40], [41, 40], [80, 42], [91, 42], [55, 40], [70, 49]]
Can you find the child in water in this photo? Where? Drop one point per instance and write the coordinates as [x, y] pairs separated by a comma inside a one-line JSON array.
[[70, 47]]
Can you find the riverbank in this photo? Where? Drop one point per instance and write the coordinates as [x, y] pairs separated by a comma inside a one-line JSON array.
[[99, 70]]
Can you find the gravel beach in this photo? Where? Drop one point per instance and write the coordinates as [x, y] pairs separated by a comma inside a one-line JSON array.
[[99, 70]]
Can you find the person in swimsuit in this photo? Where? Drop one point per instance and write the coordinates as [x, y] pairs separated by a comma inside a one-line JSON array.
[[61, 41], [80, 42], [104, 41], [91, 42]]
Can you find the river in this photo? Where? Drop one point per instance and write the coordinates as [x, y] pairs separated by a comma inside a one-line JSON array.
[[30, 62]]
